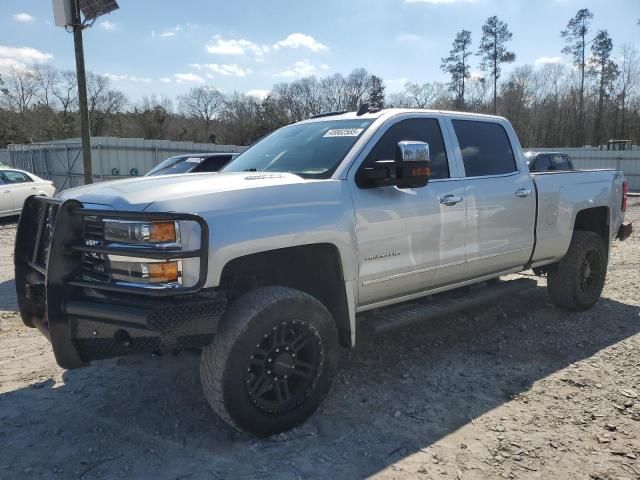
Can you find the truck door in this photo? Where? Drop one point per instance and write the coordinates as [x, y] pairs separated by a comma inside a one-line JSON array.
[[410, 240], [500, 197]]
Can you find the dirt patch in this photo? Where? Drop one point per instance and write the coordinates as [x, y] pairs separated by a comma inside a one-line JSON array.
[[517, 390]]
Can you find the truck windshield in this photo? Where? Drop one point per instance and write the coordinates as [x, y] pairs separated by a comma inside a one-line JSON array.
[[310, 150]]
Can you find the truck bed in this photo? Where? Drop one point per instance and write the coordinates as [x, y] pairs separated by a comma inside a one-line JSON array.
[[560, 195]]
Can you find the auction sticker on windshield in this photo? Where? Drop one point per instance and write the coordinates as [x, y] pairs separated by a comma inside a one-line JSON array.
[[343, 132]]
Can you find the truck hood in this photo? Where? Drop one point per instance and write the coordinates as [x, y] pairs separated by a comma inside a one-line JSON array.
[[138, 193]]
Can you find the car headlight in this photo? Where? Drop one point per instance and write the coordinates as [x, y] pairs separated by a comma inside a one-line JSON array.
[[165, 233], [145, 271], [149, 235]]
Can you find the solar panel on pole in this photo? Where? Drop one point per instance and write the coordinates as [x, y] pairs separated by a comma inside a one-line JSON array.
[[92, 9]]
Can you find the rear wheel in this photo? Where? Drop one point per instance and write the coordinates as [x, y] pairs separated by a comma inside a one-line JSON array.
[[578, 280], [272, 362]]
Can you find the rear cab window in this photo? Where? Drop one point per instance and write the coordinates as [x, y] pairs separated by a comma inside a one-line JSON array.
[[485, 147]]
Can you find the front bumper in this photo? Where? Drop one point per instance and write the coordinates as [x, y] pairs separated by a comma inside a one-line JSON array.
[[624, 231], [90, 319]]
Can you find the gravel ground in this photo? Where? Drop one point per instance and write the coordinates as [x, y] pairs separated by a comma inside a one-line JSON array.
[[516, 390]]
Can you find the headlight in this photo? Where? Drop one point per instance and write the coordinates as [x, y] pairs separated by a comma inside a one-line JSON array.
[[142, 233], [145, 271], [147, 235]]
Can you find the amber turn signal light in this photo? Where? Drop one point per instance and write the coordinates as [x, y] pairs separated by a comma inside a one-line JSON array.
[[164, 232], [163, 272]]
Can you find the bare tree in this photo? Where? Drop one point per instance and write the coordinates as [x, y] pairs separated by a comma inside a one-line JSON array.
[[20, 88], [423, 95], [65, 90], [628, 82], [355, 89], [203, 104], [103, 102], [152, 115], [45, 77]]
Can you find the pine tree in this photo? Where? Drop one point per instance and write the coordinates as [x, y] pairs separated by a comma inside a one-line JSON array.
[[457, 65], [376, 92], [493, 51], [576, 37], [606, 71]]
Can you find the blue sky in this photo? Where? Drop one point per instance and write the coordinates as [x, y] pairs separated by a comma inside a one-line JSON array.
[[165, 47]]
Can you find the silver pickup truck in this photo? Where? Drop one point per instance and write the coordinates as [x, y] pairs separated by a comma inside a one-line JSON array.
[[323, 228]]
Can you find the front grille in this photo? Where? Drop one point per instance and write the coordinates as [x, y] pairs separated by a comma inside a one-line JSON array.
[[94, 265]]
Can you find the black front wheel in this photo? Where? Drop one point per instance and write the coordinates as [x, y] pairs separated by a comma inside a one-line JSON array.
[[578, 280], [272, 362]]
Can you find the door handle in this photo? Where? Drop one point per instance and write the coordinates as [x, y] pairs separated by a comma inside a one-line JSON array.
[[34, 188], [450, 200], [523, 192]]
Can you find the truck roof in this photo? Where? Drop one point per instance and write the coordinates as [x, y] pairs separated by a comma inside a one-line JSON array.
[[389, 112]]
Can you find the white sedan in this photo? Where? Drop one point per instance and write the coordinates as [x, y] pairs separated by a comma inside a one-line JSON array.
[[16, 186]]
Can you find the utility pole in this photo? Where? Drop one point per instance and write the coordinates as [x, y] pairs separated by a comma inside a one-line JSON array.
[[82, 93]]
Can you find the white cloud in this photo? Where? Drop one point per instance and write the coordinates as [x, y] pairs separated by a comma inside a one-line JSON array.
[[20, 57], [107, 25], [303, 68], [476, 75], [235, 47], [300, 40], [127, 78], [259, 94], [223, 69], [23, 17], [543, 60], [172, 32], [165, 80], [188, 78]]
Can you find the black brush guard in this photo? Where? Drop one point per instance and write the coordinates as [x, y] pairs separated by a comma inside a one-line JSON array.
[[88, 319]]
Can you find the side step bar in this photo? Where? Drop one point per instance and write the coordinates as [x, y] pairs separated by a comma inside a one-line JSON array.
[[430, 308]]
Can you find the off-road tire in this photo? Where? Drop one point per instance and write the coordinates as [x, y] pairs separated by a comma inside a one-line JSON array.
[[248, 321], [566, 283]]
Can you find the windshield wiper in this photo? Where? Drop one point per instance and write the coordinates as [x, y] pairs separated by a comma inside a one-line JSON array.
[[250, 170]]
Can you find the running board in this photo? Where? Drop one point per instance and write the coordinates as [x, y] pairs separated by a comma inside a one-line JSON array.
[[432, 307]]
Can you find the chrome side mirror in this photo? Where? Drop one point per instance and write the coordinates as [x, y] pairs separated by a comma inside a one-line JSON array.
[[412, 159], [411, 151]]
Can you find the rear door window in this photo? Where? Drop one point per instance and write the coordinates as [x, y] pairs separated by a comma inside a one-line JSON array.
[[543, 164], [485, 147], [560, 162]]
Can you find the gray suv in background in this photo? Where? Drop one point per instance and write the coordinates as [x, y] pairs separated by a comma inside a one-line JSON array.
[[548, 161], [192, 163]]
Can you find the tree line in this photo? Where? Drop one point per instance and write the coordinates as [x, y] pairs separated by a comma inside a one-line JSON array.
[[588, 100]]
